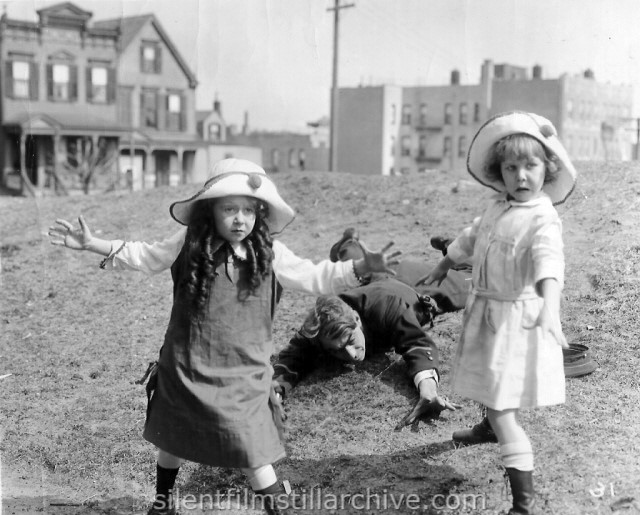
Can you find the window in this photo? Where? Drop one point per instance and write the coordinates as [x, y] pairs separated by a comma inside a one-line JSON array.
[[393, 113], [149, 109], [463, 114], [406, 114], [100, 85], [476, 112], [275, 159], [447, 114], [446, 150], [406, 146], [20, 70], [423, 114], [422, 146], [150, 61], [21, 77], [462, 146], [393, 145], [62, 82], [215, 132], [174, 112]]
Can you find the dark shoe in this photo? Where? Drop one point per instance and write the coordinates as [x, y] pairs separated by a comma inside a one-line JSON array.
[[162, 507], [271, 506], [349, 234], [480, 433], [440, 243], [522, 491]]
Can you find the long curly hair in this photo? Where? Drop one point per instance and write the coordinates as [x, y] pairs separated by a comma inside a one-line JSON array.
[[203, 254]]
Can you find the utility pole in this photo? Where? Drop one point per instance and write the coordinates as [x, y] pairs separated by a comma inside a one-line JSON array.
[[333, 136]]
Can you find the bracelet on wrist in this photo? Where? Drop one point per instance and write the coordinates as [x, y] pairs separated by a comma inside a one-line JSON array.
[[110, 257]]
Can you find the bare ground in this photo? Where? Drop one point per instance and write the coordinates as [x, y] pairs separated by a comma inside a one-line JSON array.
[[75, 338]]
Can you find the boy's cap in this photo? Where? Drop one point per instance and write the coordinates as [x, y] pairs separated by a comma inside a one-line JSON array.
[[520, 122]]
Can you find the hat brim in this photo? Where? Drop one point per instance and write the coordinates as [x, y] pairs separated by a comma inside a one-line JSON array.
[[519, 122], [240, 184]]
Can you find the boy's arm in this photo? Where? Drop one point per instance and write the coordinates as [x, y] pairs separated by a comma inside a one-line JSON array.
[[294, 363]]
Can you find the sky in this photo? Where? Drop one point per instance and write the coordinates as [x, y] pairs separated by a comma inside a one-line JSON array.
[[272, 59]]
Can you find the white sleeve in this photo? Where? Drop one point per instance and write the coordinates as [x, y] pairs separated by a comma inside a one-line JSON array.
[[324, 278], [461, 249], [150, 258]]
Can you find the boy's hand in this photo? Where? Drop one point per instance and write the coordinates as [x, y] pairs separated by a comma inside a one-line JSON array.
[[429, 404], [66, 235]]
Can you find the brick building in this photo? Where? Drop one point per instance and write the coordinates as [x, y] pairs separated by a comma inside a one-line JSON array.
[[392, 130]]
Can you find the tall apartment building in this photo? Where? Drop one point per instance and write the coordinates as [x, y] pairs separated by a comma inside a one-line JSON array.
[[118, 85], [388, 130]]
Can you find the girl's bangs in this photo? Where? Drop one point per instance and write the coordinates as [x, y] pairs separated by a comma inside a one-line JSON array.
[[520, 146]]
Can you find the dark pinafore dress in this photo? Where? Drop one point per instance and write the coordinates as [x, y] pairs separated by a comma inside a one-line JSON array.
[[211, 399]]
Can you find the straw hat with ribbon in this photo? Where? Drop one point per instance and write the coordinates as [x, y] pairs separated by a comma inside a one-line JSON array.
[[520, 122], [231, 177]]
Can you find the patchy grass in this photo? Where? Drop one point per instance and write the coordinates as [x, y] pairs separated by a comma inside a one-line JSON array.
[[76, 338]]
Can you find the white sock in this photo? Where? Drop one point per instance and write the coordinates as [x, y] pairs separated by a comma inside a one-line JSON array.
[[517, 455], [261, 477]]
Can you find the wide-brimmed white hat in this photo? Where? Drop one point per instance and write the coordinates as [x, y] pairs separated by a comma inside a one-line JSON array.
[[520, 122], [239, 177]]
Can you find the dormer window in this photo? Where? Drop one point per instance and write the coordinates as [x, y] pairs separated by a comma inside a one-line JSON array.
[[150, 57]]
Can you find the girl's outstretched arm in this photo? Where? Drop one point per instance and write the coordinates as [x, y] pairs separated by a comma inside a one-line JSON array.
[[376, 261], [64, 234], [438, 273]]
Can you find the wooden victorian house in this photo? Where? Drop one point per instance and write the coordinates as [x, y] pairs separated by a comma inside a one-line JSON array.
[[105, 104]]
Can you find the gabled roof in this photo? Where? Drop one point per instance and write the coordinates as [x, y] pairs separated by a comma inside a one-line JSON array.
[[130, 26], [64, 13], [65, 9]]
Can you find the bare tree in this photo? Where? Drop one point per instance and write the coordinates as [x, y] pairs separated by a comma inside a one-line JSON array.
[[90, 160]]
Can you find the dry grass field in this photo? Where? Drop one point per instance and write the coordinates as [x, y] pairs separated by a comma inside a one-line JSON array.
[[74, 339]]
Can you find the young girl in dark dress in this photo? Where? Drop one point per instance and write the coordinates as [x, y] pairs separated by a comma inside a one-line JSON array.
[[212, 400]]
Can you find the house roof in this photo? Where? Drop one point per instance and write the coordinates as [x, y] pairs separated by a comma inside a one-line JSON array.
[[65, 9], [130, 26], [47, 123]]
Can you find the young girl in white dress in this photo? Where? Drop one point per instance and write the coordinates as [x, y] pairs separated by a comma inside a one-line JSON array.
[[211, 400], [510, 351]]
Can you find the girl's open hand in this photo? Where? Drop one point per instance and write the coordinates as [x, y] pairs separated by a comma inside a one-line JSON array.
[[380, 261], [437, 274], [63, 233]]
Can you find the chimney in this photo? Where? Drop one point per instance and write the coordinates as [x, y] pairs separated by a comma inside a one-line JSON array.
[[245, 125], [588, 74], [486, 72], [216, 106], [455, 77], [537, 71]]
